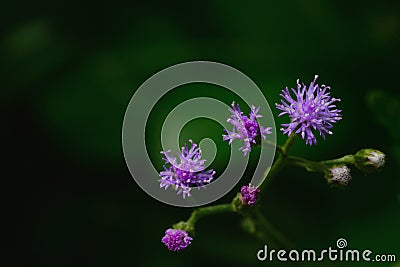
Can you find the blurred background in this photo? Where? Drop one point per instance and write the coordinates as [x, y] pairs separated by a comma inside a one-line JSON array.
[[69, 69]]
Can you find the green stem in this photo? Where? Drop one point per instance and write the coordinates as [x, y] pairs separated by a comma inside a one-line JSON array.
[[204, 211], [280, 163], [288, 144], [348, 160], [320, 166], [278, 147]]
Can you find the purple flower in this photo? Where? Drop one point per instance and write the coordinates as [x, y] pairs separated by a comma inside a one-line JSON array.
[[249, 194], [311, 109], [189, 172], [245, 128], [176, 239]]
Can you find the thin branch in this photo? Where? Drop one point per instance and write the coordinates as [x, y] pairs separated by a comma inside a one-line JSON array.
[[320, 166], [204, 211]]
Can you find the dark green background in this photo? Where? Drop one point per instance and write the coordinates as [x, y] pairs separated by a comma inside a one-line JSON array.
[[69, 69]]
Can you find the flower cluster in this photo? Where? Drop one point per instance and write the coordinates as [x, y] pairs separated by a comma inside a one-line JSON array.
[[245, 128], [188, 172], [176, 240], [311, 109]]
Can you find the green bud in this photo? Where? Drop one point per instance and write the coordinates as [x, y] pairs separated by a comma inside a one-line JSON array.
[[369, 160]]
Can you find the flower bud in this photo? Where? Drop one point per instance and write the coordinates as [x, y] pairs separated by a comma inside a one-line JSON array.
[[369, 160], [249, 194], [339, 175]]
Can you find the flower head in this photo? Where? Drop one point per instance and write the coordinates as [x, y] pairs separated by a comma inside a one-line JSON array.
[[312, 109], [176, 239], [245, 128], [249, 194], [369, 160], [188, 172], [339, 175]]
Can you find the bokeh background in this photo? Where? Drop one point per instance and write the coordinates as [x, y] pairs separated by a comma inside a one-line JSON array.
[[69, 69]]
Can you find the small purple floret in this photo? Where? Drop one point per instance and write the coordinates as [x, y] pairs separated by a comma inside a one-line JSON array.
[[176, 239], [312, 109], [188, 172], [249, 194], [245, 128]]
